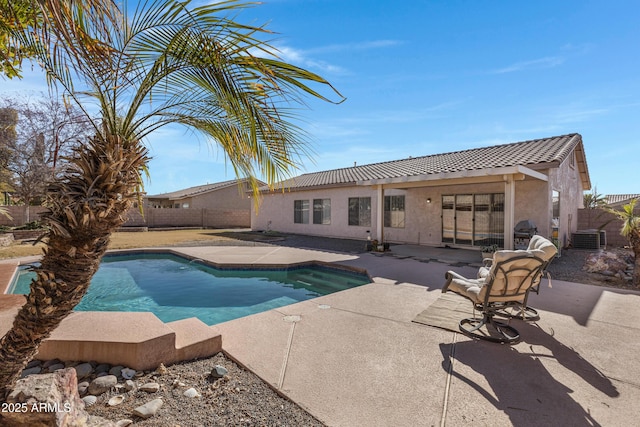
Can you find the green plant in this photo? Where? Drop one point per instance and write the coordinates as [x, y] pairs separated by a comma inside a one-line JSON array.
[[594, 200], [631, 230], [33, 225], [490, 248]]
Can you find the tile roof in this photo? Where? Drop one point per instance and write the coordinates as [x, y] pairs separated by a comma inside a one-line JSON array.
[[535, 154], [194, 191], [612, 199]]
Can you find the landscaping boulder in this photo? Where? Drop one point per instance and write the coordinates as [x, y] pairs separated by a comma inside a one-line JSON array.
[[606, 263], [48, 400]]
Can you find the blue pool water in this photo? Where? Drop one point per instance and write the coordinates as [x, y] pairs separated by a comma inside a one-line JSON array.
[[173, 288]]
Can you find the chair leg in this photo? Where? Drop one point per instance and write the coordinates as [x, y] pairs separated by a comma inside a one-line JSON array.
[[495, 331], [521, 311]]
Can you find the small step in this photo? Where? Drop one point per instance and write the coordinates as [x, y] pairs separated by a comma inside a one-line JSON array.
[[195, 339]]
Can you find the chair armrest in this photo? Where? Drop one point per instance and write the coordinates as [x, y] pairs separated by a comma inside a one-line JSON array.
[[449, 276]]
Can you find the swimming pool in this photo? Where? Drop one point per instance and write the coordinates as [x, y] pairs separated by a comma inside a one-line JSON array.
[[174, 288]]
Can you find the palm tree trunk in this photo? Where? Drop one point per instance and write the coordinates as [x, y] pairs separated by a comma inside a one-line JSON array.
[[51, 299], [85, 207]]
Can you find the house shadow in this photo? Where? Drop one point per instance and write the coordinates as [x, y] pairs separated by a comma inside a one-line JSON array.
[[518, 383]]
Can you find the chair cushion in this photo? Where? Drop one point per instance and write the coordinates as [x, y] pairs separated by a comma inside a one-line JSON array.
[[469, 288], [542, 248]]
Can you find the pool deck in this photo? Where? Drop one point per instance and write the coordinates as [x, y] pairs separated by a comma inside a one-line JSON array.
[[355, 358]]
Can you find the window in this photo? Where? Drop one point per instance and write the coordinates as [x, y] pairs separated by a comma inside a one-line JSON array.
[[360, 211], [301, 211], [322, 211], [394, 211]]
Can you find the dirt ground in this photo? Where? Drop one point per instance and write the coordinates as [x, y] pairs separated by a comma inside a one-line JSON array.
[[129, 240]]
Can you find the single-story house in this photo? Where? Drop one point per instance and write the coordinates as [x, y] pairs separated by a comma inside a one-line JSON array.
[[220, 205], [230, 194], [466, 198]]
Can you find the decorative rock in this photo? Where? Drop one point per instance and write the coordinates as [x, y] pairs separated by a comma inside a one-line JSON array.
[[192, 392], [31, 371], [53, 368], [83, 370], [57, 366], [129, 385], [116, 370], [607, 263], [124, 423], [149, 409], [33, 363], [53, 390], [102, 384], [150, 387], [177, 383], [83, 387], [161, 370], [127, 373], [116, 400], [48, 363], [219, 371], [89, 400], [103, 367]]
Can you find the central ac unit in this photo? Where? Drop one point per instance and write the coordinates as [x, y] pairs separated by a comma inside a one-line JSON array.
[[589, 239]]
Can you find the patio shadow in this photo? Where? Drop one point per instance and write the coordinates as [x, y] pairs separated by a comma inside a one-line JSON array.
[[518, 384]]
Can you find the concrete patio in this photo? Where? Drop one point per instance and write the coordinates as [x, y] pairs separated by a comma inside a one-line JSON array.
[[355, 358]]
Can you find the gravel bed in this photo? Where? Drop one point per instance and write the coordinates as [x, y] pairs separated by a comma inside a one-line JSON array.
[[569, 267], [239, 398]]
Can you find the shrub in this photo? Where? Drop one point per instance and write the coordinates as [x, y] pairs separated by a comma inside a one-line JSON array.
[[33, 225]]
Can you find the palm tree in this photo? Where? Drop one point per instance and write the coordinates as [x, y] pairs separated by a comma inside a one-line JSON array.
[[631, 230], [593, 200], [166, 65]]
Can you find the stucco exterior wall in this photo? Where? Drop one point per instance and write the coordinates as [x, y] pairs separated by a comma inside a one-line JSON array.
[[276, 212], [423, 219], [566, 180], [224, 198]]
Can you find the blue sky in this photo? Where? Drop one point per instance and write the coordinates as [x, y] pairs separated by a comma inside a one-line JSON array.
[[427, 77]]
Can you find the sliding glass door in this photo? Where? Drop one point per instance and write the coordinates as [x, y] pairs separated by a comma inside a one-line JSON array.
[[473, 219]]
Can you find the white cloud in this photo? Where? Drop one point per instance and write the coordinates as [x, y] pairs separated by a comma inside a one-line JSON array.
[[366, 45], [535, 64], [307, 57]]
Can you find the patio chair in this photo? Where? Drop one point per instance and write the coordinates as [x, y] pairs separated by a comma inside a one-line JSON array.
[[505, 287], [549, 251]]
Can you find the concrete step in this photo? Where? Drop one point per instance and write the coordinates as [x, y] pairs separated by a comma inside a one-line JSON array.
[[136, 340], [195, 339]]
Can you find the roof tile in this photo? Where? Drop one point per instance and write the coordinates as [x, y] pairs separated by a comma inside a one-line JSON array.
[[540, 152]]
